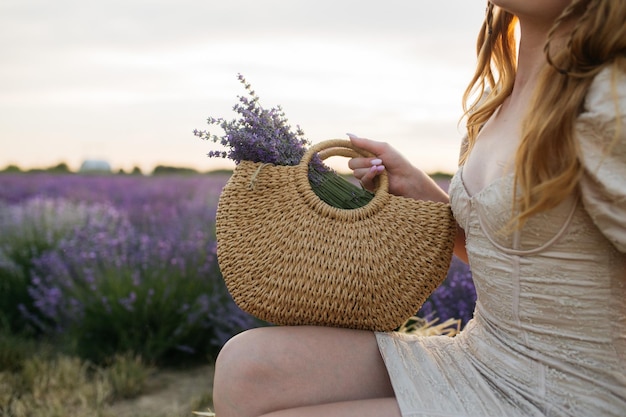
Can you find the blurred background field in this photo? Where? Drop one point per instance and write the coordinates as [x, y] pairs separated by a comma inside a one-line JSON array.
[[110, 292], [109, 280]]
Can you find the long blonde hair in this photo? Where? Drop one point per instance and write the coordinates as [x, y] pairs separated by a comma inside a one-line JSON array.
[[547, 166]]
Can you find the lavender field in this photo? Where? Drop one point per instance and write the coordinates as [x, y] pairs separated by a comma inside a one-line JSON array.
[[121, 263]]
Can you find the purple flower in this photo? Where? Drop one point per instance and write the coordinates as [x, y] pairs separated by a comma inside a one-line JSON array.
[[261, 135], [134, 250], [129, 302], [455, 298]]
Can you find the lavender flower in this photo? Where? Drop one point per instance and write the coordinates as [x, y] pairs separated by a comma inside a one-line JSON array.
[[29, 229], [455, 298], [127, 253], [262, 135]]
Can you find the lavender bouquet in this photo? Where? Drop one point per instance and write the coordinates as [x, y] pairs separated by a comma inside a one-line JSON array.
[[262, 135]]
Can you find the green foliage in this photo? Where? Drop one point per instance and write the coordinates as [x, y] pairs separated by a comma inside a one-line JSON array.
[[168, 170], [13, 293], [61, 168], [109, 288], [12, 169], [28, 230], [220, 172], [441, 176], [98, 283], [157, 326], [15, 350]]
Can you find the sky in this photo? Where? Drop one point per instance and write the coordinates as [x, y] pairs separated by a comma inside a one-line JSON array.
[[128, 81]]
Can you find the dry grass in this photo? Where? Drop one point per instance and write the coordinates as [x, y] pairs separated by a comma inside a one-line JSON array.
[[421, 327], [54, 388], [65, 386]]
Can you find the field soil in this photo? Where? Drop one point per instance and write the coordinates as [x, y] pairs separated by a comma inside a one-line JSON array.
[[170, 393]]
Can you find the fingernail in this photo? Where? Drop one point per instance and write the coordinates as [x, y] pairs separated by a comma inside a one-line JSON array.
[[376, 161], [374, 168], [380, 168], [351, 135]]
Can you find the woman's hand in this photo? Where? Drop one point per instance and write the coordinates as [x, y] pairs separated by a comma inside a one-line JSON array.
[[404, 179]]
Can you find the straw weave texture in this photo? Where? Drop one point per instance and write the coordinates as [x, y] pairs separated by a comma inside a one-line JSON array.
[[290, 259]]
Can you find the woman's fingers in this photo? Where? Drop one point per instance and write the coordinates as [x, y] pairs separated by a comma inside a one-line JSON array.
[[365, 169], [363, 162], [368, 181], [377, 148], [364, 165], [367, 175]]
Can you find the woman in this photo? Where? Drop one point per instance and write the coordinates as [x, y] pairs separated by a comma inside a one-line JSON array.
[[548, 258]]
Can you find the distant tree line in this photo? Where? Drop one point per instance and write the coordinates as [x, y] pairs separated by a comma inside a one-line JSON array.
[[63, 168]]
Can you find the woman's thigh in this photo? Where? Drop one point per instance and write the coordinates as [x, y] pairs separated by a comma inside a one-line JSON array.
[[275, 368], [376, 407]]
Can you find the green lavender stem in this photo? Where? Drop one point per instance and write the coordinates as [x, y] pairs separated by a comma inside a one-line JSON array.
[[338, 192]]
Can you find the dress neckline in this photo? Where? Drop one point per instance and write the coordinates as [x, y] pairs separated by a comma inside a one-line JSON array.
[[485, 188], [483, 221]]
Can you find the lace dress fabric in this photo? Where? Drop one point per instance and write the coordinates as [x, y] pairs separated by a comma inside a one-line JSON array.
[[548, 337]]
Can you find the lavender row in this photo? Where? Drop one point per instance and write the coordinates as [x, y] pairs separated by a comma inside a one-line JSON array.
[[116, 263], [121, 262]]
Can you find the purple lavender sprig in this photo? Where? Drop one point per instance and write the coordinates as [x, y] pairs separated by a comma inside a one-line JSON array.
[[455, 298], [262, 135]]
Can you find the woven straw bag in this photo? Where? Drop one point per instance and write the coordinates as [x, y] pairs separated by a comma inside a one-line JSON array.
[[290, 259]]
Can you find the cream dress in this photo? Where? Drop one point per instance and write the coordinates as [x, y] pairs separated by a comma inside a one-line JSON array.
[[548, 337]]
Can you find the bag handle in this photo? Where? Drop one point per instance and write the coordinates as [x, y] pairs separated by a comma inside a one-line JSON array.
[[340, 147]]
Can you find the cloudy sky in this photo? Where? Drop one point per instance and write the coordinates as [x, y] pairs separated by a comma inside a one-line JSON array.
[[129, 80]]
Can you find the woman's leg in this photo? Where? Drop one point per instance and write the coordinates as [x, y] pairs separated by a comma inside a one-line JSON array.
[[270, 369], [378, 407]]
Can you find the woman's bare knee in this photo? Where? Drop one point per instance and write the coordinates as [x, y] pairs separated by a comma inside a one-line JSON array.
[[268, 369], [239, 373]]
